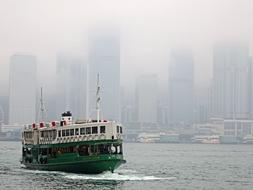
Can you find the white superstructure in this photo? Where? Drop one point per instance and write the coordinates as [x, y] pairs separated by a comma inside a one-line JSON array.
[[58, 132]]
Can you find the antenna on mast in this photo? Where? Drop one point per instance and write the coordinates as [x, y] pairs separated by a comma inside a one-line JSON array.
[[98, 99], [42, 107]]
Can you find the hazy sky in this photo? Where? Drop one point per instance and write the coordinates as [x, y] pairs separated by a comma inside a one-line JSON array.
[[149, 30]]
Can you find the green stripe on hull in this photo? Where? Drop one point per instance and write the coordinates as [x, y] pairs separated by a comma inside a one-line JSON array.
[[94, 167]]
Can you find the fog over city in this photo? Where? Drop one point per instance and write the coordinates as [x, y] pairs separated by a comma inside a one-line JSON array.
[[126, 94], [144, 44], [148, 29]]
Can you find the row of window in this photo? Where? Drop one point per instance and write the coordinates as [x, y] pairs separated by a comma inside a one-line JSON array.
[[81, 131], [48, 134], [82, 150], [28, 135]]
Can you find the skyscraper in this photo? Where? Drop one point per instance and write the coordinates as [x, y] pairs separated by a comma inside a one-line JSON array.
[[251, 86], [181, 81], [22, 89], [127, 108], [146, 99], [71, 85], [104, 59], [4, 109], [230, 86]]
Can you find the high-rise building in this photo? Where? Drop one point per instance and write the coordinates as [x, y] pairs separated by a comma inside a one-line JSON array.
[[200, 110], [4, 109], [181, 84], [251, 86], [104, 59], [162, 114], [230, 92], [127, 108], [147, 100], [71, 86], [22, 89]]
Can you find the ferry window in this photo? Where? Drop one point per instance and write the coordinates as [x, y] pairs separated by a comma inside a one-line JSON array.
[[63, 133], [117, 129], [83, 150], [77, 131], [54, 134], [59, 133], [94, 130], [102, 129], [103, 149], [50, 134], [88, 130], [82, 131], [67, 132], [121, 130], [71, 132], [42, 134], [93, 149]]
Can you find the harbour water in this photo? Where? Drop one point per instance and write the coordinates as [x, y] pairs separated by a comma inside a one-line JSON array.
[[149, 166]]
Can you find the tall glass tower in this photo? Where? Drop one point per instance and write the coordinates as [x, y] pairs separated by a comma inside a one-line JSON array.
[[104, 59], [22, 89]]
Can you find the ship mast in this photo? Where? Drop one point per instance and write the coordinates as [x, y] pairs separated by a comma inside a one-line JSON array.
[[42, 108], [98, 99]]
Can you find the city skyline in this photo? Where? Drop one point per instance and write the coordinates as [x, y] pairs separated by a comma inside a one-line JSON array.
[[146, 38], [178, 56]]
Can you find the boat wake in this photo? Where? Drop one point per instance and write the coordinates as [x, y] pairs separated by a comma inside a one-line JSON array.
[[38, 172], [120, 175], [117, 177]]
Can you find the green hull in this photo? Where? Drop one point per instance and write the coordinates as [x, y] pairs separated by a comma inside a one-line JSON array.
[[73, 162], [87, 167]]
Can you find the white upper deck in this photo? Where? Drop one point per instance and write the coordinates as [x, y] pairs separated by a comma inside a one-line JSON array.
[[61, 132]]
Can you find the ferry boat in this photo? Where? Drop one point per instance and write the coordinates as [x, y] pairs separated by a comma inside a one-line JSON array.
[[89, 146], [203, 139], [248, 139]]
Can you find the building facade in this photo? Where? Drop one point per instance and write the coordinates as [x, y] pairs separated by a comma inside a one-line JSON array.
[[147, 100], [104, 59], [4, 113], [181, 84], [230, 91], [251, 86], [71, 85], [22, 89]]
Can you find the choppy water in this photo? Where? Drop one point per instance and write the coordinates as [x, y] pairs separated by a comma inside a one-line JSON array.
[[149, 166]]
